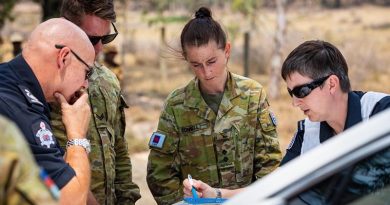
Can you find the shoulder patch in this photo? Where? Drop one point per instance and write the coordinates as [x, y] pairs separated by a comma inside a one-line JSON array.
[[49, 183], [157, 140], [29, 96], [43, 134], [273, 118]]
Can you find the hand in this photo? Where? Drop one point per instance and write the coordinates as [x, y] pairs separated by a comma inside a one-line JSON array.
[[76, 116], [203, 189]]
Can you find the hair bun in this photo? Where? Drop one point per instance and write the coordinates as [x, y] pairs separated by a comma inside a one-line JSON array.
[[203, 12]]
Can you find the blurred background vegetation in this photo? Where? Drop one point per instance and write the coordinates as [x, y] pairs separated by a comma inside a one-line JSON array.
[[262, 33]]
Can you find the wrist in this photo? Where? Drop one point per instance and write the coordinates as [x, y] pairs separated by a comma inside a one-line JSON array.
[[82, 142], [218, 193]]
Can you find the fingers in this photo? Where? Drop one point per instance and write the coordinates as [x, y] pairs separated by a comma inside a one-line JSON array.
[[60, 98]]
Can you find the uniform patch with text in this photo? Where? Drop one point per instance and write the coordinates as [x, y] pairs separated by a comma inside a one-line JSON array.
[[157, 140]]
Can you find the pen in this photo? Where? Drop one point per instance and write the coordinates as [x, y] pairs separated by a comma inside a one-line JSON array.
[[193, 190]]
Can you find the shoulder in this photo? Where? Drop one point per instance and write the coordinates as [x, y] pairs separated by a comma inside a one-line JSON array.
[[104, 78], [245, 83], [178, 95]]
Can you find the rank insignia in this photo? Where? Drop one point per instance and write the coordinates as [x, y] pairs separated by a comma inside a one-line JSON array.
[[157, 140]]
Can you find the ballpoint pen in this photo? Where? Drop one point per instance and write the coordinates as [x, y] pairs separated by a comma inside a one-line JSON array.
[[193, 190]]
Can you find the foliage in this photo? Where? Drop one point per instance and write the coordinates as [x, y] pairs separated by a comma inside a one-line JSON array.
[[5, 11]]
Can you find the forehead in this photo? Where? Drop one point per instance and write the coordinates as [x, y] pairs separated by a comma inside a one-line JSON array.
[[203, 52], [296, 79], [95, 26]]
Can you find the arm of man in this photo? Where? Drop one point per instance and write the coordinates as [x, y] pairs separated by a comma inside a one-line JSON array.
[[267, 150], [163, 172], [76, 120], [126, 191]]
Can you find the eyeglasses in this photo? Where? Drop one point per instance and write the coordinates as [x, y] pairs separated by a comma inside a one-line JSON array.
[[105, 39], [302, 91], [89, 71]]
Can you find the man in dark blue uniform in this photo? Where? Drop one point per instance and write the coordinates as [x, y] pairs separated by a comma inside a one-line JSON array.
[[54, 65], [316, 74]]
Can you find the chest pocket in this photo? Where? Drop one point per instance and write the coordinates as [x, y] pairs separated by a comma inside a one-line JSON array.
[[196, 151]]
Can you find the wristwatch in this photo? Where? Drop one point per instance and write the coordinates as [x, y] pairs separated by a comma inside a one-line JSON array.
[[218, 193], [80, 142]]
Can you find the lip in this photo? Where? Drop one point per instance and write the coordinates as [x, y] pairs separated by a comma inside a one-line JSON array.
[[306, 111], [210, 78]]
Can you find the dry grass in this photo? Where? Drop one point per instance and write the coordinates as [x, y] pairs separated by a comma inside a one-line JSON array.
[[364, 40]]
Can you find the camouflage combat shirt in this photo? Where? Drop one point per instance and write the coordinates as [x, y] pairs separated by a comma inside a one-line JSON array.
[[20, 181], [230, 149], [111, 176]]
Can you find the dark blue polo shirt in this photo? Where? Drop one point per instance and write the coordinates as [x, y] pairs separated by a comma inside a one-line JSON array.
[[22, 100], [354, 116]]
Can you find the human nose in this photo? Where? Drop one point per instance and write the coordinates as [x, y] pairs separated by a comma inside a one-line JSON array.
[[98, 48], [207, 70], [86, 83], [295, 101]]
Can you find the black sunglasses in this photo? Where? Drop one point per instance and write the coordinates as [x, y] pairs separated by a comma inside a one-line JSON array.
[[105, 39], [304, 90], [89, 71]]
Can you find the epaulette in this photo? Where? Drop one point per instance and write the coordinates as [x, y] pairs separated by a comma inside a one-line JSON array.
[[301, 126]]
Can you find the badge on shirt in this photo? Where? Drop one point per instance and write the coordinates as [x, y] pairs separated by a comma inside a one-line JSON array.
[[273, 118], [43, 135], [157, 140], [29, 96]]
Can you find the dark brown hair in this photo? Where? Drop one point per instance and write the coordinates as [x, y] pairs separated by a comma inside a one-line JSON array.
[[75, 10], [316, 59], [201, 30]]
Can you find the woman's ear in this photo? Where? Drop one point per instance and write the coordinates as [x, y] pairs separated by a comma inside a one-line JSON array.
[[334, 83], [227, 51]]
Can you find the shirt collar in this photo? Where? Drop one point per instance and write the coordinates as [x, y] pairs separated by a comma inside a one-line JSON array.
[[354, 116], [28, 78]]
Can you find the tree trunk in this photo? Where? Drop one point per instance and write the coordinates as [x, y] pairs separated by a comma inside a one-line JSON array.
[[276, 60]]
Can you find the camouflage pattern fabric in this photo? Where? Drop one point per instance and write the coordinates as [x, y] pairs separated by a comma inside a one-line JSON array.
[[111, 176], [228, 150], [117, 70], [20, 182]]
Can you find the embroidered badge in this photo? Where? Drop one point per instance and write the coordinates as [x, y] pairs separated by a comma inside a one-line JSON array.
[[32, 98], [273, 118], [44, 136], [157, 140]]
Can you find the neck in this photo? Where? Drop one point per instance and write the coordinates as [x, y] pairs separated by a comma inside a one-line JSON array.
[[339, 113], [43, 76]]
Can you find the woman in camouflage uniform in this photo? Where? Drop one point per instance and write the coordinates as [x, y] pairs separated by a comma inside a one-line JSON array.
[[218, 128]]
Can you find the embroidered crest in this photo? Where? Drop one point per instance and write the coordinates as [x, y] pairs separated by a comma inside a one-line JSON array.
[[44, 136], [157, 140]]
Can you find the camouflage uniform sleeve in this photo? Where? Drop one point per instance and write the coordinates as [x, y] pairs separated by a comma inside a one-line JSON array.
[[163, 172], [20, 181], [126, 191], [267, 150]]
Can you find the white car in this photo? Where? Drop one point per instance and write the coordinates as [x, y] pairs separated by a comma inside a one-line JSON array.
[[350, 168]]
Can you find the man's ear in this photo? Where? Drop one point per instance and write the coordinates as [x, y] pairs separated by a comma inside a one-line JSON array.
[[334, 83], [63, 58]]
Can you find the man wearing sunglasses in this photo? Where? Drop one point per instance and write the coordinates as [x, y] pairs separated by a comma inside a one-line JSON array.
[[111, 174], [53, 66], [316, 75]]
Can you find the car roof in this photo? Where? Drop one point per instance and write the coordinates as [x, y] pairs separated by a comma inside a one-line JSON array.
[[342, 145]]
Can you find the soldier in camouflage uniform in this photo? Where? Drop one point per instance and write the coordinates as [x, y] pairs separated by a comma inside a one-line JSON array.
[[21, 180], [218, 128], [111, 174]]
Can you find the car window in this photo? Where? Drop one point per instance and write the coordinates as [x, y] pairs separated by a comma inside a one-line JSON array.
[[365, 182]]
